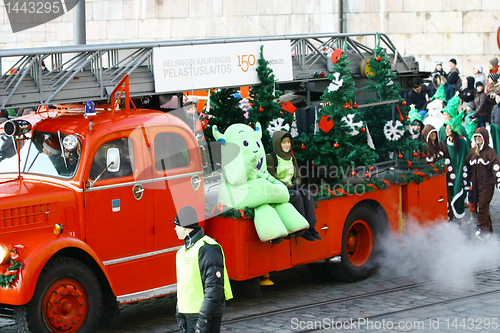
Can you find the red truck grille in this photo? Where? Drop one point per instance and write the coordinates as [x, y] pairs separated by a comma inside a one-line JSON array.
[[24, 215]]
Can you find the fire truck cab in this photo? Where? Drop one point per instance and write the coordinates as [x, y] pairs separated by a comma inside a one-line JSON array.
[[87, 208]]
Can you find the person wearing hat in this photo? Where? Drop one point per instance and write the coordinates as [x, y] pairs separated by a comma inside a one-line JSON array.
[[482, 105], [416, 123], [493, 63], [482, 166], [202, 279], [438, 69], [449, 112], [453, 76], [458, 147], [479, 76], [493, 85]]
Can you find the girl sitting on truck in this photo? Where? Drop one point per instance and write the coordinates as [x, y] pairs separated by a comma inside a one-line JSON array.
[[282, 165]]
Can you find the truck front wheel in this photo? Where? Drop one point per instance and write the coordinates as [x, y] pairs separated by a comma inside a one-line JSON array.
[[67, 298]]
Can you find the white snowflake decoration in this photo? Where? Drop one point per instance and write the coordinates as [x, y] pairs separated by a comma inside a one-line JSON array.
[[349, 121], [277, 125], [336, 83], [393, 131]]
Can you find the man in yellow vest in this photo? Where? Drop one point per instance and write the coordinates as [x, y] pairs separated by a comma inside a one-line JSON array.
[[202, 280]]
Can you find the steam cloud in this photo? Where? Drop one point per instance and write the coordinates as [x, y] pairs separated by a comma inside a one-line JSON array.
[[448, 255]]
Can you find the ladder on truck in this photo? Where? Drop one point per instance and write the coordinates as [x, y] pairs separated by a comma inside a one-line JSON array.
[[90, 72]]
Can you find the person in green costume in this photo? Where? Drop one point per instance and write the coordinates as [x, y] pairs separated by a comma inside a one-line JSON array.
[[451, 112], [416, 127], [458, 147], [246, 183], [281, 163]]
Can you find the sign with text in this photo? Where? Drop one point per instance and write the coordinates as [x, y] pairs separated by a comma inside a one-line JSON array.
[[196, 67]]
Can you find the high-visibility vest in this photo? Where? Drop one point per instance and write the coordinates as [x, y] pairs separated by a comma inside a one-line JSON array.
[[190, 294]]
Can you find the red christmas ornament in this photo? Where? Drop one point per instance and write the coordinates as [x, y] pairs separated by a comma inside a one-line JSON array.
[[371, 168], [379, 58], [355, 105], [400, 156], [347, 106], [353, 173], [367, 175], [261, 109], [302, 146], [313, 165], [414, 154], [403, 103], [336, 145], [362, 130], [422, 155]]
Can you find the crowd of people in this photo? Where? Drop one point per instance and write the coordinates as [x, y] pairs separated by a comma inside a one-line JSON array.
[[460, 123]]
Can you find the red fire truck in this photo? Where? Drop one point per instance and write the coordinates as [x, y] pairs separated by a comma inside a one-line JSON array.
[[87, 204]]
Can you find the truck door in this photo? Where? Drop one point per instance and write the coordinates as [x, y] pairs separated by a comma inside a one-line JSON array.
[[177, 180], [116, 204]]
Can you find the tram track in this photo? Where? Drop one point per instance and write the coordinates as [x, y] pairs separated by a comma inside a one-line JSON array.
[[364, 296]]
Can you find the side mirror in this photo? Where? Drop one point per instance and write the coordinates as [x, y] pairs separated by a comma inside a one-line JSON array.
[[113, 159]]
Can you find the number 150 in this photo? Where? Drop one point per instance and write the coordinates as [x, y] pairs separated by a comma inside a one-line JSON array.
[[245, 61]]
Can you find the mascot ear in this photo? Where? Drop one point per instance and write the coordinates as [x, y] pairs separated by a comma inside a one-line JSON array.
[[218, 135], [258, 131]]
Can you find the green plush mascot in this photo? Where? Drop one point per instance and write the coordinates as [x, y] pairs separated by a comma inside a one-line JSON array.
[[246, 183]]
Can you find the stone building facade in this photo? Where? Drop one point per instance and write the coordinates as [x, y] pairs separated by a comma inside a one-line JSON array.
[[428, 29]]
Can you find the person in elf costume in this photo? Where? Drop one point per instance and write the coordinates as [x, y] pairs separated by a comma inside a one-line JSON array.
[[246, 183], [417, 123], [482, 166], [458, 147], [451, 112], [416, 126]]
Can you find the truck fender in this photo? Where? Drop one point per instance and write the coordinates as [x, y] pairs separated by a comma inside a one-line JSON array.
[[37, 250]]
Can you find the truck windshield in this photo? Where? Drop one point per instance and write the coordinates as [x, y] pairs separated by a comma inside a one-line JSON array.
[[50, 154]]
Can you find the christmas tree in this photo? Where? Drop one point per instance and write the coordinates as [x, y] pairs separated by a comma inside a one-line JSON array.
[[223, 112], [342, 139], [265, 106], [388, 123]]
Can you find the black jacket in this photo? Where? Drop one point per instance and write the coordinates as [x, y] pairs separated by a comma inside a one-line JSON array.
[[210, 261], [467, 95]]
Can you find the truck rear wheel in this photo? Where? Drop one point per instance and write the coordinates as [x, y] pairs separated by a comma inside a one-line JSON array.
[[67, 299], [361, 240]]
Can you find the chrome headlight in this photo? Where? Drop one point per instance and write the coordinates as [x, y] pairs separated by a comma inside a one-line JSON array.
[[70, 142]]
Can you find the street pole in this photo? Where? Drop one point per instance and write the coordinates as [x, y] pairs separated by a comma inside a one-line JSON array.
[[79, 32]]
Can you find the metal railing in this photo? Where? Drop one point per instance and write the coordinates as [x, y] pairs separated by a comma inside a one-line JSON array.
[[25, 83]]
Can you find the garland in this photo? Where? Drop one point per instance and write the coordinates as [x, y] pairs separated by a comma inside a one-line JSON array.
[[11, 274], [332, 191]]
